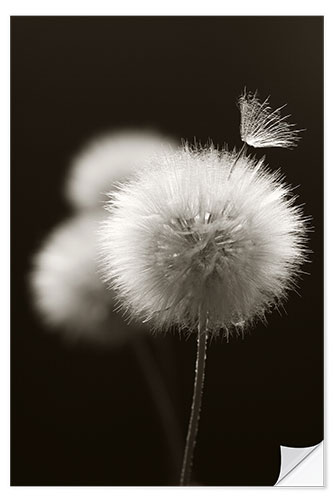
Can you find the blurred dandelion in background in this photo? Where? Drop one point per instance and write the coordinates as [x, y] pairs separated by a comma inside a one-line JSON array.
[[68, 292], [107, 159]]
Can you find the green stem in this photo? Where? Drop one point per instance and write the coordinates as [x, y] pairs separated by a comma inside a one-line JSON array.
[[196, 406]]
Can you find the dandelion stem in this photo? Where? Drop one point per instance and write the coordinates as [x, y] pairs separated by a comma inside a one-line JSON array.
[[241, 151], [196, 405], [163, 404]]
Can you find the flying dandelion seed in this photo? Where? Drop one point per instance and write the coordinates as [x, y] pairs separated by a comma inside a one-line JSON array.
[[185, 240], [106, 160], [262, 127], [67, 290]]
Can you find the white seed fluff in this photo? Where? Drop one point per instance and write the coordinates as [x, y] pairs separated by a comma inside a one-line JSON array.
[[262, 127], [185, 240], [106, 160], [67, 290]]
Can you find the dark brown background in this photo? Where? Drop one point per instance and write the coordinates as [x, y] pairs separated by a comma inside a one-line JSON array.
[[81, 416]]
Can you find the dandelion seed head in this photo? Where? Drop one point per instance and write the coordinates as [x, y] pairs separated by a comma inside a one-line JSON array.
[[106, 160], [186, 239], [67, 290], [263, 127]]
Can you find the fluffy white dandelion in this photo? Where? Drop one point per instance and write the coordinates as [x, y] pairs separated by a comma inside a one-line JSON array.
[[263, 127], [187, 243], [204, 240], [67, 289], [106, 160]]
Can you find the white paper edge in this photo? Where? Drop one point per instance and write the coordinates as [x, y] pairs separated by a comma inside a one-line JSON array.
[[302, 466]]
